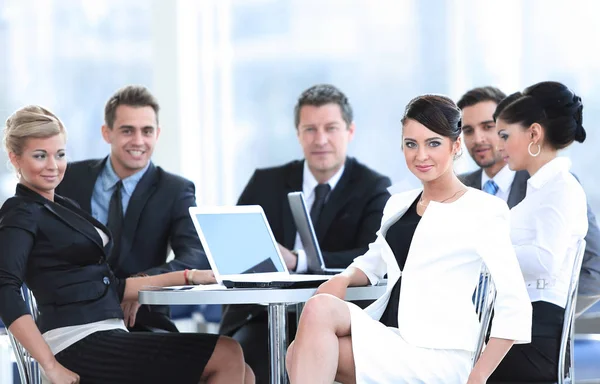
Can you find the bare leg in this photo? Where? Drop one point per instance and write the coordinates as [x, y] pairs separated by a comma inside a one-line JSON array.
[[249, 377], [346, 372], [315, 354], [226, 365]]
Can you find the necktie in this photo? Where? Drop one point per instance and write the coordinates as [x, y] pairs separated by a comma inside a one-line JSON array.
[[490, 187], [321, 192], [115, 217]]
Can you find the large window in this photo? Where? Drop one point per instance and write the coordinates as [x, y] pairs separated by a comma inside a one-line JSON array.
[[260, 55], [228, 72], [70, 56]]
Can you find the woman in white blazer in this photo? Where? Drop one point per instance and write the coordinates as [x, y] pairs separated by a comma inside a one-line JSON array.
[[548, 224], [436, 238]]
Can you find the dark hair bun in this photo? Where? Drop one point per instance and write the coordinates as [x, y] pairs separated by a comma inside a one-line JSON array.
[[552, 105]]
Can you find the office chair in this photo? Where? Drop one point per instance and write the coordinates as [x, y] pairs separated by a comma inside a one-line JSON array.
[[483, 300], [29, 370]]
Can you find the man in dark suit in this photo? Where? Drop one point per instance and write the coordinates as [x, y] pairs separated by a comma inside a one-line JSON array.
[[145, 207], [481, 139], [345, 199]]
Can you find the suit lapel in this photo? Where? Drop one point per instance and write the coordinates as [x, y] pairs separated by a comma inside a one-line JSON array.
[[88, 181], [76, 222], [293, 184], [144, 189], [474, 179], [69, 214], [518, 188], [337, 199]]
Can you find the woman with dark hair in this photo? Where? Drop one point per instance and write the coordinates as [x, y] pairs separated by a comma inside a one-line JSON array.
[[548, 224], [424, 328]]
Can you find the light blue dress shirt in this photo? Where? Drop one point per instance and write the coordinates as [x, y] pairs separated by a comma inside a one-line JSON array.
[[105, 187]]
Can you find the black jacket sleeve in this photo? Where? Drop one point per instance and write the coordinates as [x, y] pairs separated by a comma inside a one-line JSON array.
[[17, 236], [183, 238]]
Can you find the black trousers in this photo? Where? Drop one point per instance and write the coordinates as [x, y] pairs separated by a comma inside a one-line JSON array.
[[537, 361]]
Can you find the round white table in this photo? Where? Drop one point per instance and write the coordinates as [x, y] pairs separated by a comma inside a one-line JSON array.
[[277, 301]]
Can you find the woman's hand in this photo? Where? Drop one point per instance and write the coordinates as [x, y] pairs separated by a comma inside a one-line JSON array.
[[130, 309], [336, 286], [58, 374], [202, 276]]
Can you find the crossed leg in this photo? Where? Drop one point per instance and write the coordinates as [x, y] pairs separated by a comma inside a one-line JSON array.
[[322, 351]]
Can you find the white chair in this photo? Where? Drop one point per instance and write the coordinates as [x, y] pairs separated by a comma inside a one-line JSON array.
[[483, 300], [566, 373], [29, 370]]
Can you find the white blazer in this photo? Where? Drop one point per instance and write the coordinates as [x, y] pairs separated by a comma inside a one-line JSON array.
[[442, 270]]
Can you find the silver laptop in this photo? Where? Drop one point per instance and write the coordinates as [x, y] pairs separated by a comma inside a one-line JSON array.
[[242, 251], [308, 236]]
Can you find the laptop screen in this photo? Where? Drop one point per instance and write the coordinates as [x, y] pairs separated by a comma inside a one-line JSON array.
[[239, 243]]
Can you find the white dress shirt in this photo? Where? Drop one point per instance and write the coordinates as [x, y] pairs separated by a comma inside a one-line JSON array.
[[545, 229], [503, 180], [309, 183]]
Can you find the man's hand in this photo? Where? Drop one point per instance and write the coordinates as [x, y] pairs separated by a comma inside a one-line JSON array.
[[291, 260], [336, 286], [130, 309], [202, 276]]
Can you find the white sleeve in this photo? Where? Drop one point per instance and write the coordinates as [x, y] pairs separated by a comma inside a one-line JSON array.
[[302, 263], [512, 309], [371, 263]]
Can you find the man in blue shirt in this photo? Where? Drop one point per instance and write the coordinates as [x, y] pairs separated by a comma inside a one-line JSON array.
[[145, 207]]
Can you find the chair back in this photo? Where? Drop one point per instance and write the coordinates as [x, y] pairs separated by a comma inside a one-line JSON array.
[[566, 374], [29, 370], [483, 300]]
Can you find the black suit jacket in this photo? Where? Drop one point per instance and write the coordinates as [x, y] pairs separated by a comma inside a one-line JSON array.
[[54, 248], [347, 224], [156, 220], [589, 279]]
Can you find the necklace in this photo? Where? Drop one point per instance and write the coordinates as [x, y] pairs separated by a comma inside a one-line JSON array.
[[456, 193]]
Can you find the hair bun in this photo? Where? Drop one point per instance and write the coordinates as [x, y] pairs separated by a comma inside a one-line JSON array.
[[578, 116]]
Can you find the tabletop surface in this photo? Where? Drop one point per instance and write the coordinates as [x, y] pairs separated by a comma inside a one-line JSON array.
[[191, 296]]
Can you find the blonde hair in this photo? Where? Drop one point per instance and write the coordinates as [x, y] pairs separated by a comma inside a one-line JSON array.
[[31, 121]]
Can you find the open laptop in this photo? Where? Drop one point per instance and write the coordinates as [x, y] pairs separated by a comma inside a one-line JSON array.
[[242, 251], [308, 236]]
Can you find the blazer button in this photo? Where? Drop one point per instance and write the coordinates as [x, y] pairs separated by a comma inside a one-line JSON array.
[[106, 281]]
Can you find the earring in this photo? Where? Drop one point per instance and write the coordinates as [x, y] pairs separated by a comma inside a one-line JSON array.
[[19, 174], [531, 153], [458, 154]]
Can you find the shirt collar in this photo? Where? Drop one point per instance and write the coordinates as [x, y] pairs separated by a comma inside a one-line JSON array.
[[110, 178], [309, 182], [503, 179], [548, 171]]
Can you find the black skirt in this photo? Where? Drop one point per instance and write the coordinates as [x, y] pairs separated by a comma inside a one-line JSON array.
[[538, 360], [117, 356]]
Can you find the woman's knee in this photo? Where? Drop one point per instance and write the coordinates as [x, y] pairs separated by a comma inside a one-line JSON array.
[[289, 355], [319, 309], [228, 350]]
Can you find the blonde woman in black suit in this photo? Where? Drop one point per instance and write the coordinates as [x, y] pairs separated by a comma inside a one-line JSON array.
[[59, 251]]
